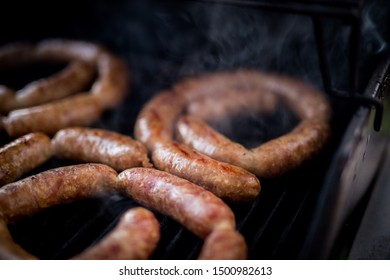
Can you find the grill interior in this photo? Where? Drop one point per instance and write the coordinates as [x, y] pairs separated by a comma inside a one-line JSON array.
[[163, 42]]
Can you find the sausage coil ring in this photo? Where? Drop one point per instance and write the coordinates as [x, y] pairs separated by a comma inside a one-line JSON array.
[[80, 110], [66, 184], [155, 128], [276, 156]]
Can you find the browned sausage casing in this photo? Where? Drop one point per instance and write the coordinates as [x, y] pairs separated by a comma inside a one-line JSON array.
[[61, 185], [23, 155], [134, 238], [97, 145], [231, 183], [155, 128], [224, 244], [198, 210], [78, 110]]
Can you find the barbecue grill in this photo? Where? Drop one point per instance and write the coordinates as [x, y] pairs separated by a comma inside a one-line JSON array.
[[339, 46]]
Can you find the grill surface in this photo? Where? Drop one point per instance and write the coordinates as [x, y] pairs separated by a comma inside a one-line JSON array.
[[163, 43]]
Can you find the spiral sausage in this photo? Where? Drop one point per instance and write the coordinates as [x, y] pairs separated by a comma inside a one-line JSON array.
[[106, 92], [274, 157], [155, 128]]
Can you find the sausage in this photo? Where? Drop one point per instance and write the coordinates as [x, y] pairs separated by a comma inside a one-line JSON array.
[[106, 92], [268, 160], [195, 208], [97, 145], [79, 110], [226, 105], [72, 79], [155, 123], [134, 238], [23, 155], [231, 183], [113, 76], [155, 128], [224, 244], [276, 156], [60, 185]]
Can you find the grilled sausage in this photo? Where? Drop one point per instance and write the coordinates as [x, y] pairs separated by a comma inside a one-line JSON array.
[[195, 208], [23, 155], [61, 185], [268, 160], [226, 104], [274, 157], [224, 244], [106, 92], [97, 145], [113, 75], [80, 110], [155, 128], [72, 79], [228, 182], [134, 238]]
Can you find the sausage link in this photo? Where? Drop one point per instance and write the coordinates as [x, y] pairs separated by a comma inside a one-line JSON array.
[[61, 185], [97, 145], [224, 244], [70, 80], [195, 208], [77, 110], [134, 238], [231, 183], [23, 155]]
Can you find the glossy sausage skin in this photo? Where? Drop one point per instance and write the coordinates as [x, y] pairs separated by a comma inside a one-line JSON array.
[[61, 185], [23, 155], [228, 182], [224, 244], [97, 145], [195, 208], [80, 110], [134, 238]]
